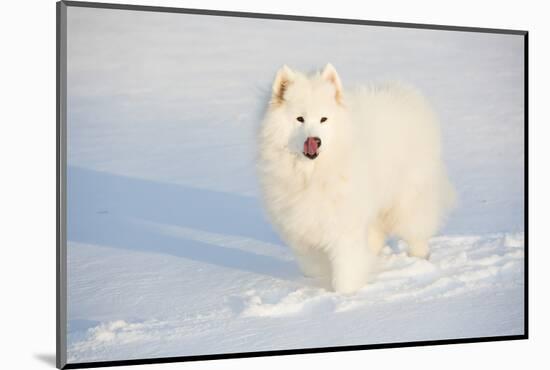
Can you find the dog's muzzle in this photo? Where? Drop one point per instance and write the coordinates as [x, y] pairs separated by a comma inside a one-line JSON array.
[[311, 147]]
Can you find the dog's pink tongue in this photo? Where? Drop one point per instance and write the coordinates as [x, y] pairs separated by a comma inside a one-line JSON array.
[[310, 146]]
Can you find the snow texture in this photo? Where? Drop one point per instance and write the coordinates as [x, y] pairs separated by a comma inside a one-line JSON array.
[[169, 251]]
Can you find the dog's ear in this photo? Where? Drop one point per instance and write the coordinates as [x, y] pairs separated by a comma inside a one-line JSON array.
[[329, 73], [284, 77]]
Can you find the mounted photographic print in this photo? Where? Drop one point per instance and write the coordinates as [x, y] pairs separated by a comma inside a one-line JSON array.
[[238, 184]]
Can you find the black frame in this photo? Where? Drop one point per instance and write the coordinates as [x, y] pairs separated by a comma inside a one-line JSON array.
[[61, 162]]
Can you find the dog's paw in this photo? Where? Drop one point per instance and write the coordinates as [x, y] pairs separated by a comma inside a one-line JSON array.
[[348, 285], [314, 271], [419, 250], [419, 254]]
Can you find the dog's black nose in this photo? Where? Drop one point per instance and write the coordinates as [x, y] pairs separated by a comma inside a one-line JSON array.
[[318, 141]]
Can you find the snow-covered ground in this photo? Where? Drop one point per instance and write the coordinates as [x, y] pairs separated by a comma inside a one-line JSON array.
[[169, 252]]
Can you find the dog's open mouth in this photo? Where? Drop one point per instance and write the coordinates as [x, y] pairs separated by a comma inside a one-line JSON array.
[[311, 147]]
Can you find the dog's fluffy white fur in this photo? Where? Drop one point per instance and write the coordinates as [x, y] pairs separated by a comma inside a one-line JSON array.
[[378, 171]]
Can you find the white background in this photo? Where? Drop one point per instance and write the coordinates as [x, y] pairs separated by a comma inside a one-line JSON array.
[[28, 183]]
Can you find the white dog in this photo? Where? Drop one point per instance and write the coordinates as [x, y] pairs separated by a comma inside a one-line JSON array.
[[341, 171]]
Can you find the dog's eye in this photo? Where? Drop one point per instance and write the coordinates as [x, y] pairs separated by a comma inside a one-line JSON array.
[[300, 119], [323, 119]]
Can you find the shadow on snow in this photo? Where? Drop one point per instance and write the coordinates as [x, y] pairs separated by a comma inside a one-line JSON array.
[[102, 209]]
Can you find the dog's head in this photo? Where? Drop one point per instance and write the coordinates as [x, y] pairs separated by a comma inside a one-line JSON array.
[[307, 110]]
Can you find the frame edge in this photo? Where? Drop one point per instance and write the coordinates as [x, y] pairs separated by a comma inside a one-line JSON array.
[[288, 17], [526, 181], [61, 180]]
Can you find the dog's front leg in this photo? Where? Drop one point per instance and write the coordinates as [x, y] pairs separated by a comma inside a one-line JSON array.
[[351, 263], [313, 262]]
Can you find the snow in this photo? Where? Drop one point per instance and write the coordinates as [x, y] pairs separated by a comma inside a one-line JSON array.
[[154, 305], [169, 252]]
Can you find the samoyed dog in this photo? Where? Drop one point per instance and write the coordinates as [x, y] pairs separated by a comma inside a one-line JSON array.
[[340, 171]]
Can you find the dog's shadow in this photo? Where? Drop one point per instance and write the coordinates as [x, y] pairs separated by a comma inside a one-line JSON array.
[[102, 209]]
